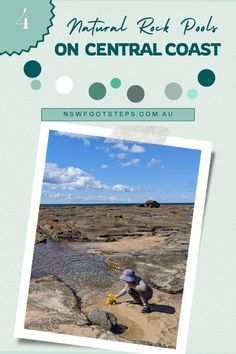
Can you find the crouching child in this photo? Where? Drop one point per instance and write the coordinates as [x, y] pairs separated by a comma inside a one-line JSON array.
[[137, 288]]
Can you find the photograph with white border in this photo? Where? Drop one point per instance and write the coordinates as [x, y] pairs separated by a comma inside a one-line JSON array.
[[113, 239]]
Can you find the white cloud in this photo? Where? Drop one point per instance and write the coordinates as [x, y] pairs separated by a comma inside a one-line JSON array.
[[91, 198], [104, 167], [72, 178], [62, 196], [121, 146], [120, 155], [111, 141], [56, 195], [122, 188], [153, 163], [133, 162], [69, 178], [102, 148], [137, 149], [124, 148], [84, 138]]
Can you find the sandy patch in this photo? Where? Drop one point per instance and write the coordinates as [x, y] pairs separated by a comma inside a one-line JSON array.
[[158, 327], [127, 245]]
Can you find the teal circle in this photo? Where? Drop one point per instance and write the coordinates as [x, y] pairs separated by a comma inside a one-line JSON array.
[[97, 91], [32, 68], [35, 85], [115, 83], [206, 77], [192, 93]]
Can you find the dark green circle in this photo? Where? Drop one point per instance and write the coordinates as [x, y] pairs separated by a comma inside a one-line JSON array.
[[206, 77], [97, 91], [32, 68]]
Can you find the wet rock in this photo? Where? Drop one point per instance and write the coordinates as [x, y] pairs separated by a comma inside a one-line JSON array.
[[114, 264], [102, 318], [52, 306], [151, 204], [163, 269], [47, 227], [69, 235], [163, 266], [107, 335], [40, 237]]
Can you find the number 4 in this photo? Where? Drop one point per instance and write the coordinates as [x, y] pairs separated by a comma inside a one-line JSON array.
[[25, 23]]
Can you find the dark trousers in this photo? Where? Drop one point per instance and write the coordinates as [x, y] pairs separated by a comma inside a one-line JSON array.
[[141, 296]]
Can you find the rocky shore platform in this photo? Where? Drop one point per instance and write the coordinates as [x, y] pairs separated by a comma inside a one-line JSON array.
[[111, 222], [80, 252]]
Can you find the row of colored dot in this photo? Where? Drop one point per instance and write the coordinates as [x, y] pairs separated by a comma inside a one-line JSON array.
[[135, 93]]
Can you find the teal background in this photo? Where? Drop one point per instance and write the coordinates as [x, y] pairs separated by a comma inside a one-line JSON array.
[[213, 317], [179, 114], [17, 39]]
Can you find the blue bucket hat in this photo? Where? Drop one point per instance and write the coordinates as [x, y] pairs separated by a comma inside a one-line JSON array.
[[129, 275]]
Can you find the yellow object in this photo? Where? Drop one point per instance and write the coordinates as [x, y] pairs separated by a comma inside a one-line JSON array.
[[111, 299]]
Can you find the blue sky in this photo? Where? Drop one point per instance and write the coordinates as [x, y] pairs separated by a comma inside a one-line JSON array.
[[84, 169]]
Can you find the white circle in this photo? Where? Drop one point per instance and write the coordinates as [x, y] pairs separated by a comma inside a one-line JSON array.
[[64, 85]]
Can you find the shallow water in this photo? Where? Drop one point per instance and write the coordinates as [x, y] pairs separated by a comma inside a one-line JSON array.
[[72, 264]]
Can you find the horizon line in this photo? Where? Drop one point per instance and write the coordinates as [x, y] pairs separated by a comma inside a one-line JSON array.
[[112, 203]]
